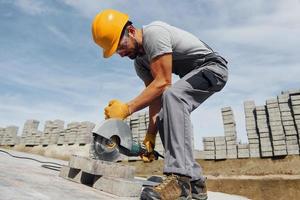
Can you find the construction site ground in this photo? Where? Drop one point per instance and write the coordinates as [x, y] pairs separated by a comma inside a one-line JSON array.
[[27, 180], [254, 178]]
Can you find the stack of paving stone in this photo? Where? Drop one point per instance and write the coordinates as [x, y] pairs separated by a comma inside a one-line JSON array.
[[142, 126], [134, 126], [288, 123], [209, 148], [252, 133], [31, 135], [9, 135], [243, 151], [109, 177], [71, 133], [84, 135], [230, 134], [56, 129], [295, 99], [276, 127], [263, 131], [220, 145], [52, 131]]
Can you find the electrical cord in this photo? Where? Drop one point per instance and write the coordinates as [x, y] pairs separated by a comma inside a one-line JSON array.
[[47, 165]]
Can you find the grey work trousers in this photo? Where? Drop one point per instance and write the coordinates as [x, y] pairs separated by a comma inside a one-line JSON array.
[[174, 122]]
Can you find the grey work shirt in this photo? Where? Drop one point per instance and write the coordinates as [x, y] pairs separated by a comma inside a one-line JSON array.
[[160, 38]]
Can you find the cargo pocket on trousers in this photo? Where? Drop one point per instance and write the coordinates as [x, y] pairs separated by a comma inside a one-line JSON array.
[[206, 80]]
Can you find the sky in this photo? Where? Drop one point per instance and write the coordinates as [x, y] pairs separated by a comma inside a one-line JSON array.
[[51, 69]]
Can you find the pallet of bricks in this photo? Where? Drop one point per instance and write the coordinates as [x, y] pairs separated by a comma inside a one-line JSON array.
[[290, 114], [251, 129], [276, 127], [230, 133], [31, 136], [113, 178], [8, 136]]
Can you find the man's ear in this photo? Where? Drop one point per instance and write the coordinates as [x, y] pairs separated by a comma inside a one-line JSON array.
[[131, 31]]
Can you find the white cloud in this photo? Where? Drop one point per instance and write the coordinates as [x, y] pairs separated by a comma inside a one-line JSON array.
[[60, 34], [32, 7]]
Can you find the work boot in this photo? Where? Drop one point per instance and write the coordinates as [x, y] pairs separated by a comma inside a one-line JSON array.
[[199, 190], [174, 187]]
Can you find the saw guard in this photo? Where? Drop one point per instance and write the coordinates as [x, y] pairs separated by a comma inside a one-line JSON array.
[[115, 127]]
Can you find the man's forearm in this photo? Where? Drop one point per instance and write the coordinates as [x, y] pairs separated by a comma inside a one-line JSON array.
[[150, 93], [154, 109]]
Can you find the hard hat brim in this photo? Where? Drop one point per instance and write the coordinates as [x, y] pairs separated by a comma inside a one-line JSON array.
[[109, 52]]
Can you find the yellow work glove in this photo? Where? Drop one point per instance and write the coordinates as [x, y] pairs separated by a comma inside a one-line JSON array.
[[149, 143], [116, 109]]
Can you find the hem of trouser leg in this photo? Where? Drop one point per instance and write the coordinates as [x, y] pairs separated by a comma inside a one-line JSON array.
[[202, 178], [170, 170]]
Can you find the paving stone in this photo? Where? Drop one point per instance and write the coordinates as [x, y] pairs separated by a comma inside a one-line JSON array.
[[209, 148], [280, 153], [290, 132], [266, 148], [226, 109], [208, 139], [266, 154], [209, 155], [295, 97], [293, 152], [118, 186], [288, 123], [279, 147], [278, 137], [99, 167]]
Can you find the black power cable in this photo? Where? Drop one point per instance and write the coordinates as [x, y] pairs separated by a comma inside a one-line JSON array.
[[47, 165]]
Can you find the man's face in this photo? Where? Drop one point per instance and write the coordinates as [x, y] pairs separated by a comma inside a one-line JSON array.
[[128, 46]]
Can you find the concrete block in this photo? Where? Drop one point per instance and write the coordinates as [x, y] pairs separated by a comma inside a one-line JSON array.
[[212, 148], [292, 146], [287, 118], [290, 132], [208, 139], [266, 154], [278, 142], [118, 186], [295, 97], [288, 123], [291, 137], [103, 168], [292, 152], [296, 111], [278, 137], [280, 153], [279, 147], [226, 109], [221, 147], [252, 136], [209, 155], [266, 148]]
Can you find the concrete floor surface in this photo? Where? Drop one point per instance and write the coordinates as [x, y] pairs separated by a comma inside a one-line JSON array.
[[26, 180]]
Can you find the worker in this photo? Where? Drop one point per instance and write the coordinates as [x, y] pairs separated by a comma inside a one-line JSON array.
[[158, 50]]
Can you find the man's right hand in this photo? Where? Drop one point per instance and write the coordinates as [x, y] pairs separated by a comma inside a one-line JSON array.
[[149, 143]]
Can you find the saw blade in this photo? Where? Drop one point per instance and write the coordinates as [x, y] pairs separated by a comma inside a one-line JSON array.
[[106, 149]]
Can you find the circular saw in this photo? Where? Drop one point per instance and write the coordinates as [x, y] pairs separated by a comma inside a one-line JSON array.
[[113, 137]]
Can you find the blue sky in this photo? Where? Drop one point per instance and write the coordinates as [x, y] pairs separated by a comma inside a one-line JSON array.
[[51, 69]]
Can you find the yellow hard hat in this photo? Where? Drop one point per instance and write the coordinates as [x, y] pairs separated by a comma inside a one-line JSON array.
[[107, 28]]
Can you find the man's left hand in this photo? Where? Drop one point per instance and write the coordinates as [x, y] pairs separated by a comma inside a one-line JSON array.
[[116, 109]]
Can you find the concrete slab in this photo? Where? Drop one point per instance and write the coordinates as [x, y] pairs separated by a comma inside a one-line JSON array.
[[27, 180]]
